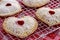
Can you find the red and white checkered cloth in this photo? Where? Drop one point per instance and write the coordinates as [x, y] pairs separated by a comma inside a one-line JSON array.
[[42, 29]]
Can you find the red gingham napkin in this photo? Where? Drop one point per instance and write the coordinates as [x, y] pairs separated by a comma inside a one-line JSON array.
[[36, 35]]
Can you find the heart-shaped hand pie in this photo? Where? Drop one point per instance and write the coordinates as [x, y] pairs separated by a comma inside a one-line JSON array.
[[49, 16], [35, 3], [20, 27], [9, 7]]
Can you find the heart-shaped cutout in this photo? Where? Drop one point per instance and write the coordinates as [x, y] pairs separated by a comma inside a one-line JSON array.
[[49, 16], [20, 27], [51, 12], [21, 22], [8, 4]]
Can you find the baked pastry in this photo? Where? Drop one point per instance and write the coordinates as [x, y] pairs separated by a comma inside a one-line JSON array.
[[20, 27], [49, 16], [35, 3], [9, 7]]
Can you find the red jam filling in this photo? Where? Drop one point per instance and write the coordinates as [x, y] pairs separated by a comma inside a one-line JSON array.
[[20, 22], [8, 4], [51, 12]]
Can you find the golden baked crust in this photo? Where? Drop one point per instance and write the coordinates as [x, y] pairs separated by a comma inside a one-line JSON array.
[[44, 15], [35, 3], [30, 28], [9, 7]]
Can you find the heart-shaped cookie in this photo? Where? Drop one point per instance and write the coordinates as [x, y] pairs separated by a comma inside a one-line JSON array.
[[20, 27], [9, 7], [49, 16]]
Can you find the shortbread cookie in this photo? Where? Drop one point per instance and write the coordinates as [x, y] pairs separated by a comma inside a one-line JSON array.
[[20, 27], [9, 7], [49, 16], [35, 3]]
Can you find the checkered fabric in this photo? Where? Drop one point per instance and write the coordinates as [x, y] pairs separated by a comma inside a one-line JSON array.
[[43, 29]]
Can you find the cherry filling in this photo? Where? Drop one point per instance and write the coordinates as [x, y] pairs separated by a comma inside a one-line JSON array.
[[51, 12], [20, 22], [8, 4]]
